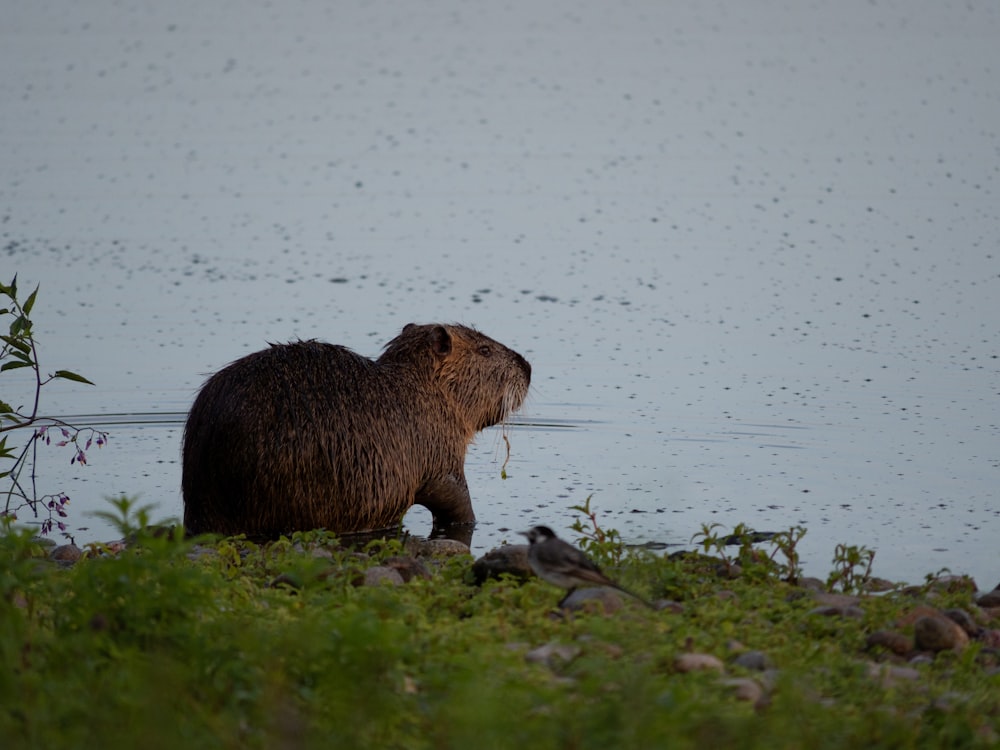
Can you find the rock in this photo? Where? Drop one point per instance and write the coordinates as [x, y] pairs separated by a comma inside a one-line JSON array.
[[667, 605], [552, 654], [954, 584], [990, 599], [408, 568], [745, 689], [593, 599], [379, 575], [510, 558], [66, 553], [897, 643], [878, 585], [729, 570], [756, 661], [921, 610], [964, 620], [437, 548], [939, 634], [692, 662], [812, 584], [836, 600]]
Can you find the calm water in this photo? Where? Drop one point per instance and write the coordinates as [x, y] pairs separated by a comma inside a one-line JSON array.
[[752, 251]]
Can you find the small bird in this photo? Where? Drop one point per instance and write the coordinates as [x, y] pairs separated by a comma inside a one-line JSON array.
[[565, 566]]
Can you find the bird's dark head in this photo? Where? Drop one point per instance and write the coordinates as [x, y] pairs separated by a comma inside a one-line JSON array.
[[538, 534]]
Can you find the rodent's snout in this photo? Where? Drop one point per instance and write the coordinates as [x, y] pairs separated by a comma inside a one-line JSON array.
[[524, 364]]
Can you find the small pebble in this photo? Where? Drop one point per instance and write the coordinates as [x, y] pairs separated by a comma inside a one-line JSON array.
[[441, 548], [552, 653], [836, 600], [593, 599], [756, 661], [745, 689], [408, 568], [692, 662]]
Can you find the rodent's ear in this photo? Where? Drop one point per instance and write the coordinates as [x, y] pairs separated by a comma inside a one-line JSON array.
[[441, 341]]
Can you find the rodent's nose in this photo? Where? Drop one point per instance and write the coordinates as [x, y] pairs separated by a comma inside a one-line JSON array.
[[525, 365]]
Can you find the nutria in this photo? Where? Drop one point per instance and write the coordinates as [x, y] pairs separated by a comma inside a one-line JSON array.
[[311, 435]]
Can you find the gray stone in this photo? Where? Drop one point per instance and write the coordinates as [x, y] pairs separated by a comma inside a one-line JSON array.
[[812, 584], [990, 599], [964, 620], [510, 558], [552, 654], [696, 662], [939, 634], [745, 689], [379, 575], [756, 661], [408, 568], [598, 598], [66, 553], [836, 600], [437, 547]]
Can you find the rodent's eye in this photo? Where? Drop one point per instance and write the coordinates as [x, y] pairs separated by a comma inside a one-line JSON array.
[[485, 350]]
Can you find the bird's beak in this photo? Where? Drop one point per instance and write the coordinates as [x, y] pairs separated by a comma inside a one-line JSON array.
[[523, 533]]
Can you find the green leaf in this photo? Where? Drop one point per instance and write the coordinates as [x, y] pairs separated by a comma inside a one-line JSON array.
[[15, 365], [17, 343], [6, 408], [30, 302], [20, 323], [67, 375]]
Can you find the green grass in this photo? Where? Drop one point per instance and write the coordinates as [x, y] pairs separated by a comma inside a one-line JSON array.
[[273, 647]]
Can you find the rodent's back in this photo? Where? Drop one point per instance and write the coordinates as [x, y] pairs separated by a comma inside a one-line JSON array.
[[310, 434]]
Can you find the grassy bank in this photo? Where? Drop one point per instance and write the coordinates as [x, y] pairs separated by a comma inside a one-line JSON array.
[[169, 644]]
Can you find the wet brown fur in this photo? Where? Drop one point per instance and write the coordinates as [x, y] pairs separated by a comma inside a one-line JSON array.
[[311, 435]]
